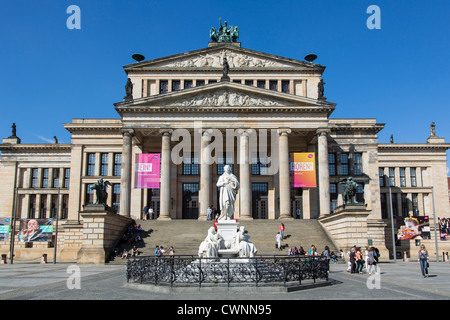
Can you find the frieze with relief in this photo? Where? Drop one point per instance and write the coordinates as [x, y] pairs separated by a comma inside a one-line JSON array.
[[215, 60], [225, 98]]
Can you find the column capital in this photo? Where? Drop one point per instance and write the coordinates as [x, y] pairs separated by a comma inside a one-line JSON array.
[[127, 132], [323, 132], [244, 132], [166, 132], [284, 131]]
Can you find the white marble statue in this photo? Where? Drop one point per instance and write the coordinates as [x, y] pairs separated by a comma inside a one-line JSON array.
[[246, 249], [209, 248], [229, 186]]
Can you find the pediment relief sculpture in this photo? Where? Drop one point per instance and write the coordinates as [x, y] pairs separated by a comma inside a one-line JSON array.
[[225, 98], [215, 60]]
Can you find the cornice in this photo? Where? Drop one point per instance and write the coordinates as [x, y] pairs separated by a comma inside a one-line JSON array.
[[14, 147]]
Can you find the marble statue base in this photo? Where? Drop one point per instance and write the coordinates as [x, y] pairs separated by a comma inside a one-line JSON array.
[[227, 229]]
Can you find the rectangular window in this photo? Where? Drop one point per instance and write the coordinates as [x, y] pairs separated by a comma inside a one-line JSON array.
[[104, 164], [285, 86], [188, 84], [344, 164], [32, 207], [54, 204], [224, 159], [404, 205], [212, 81], [415, 204], [34, 178], [237, 81], [383, 202], [413, 177], [89, 195], [176, 85], [191, 164], [259, 163], [394, 204], [333, 196], [200, 83], [249, 82], [360, 193], [56, 178], [402, 177], [116, 196], [261, 84], [66, 178], [381, 176], [117, 164], [357, 164], [45, 178], [273, 85], [65, 206], [43, 207], [163, 86], [332, 164], [392, 177], [90, 164]]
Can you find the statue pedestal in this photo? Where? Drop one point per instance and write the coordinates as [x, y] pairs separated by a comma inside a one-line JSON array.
[[227, 229]]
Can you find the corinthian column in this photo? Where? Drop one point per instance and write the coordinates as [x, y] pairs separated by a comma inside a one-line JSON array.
[[284, 174], [125, 177], [245, 191], [324, 175], [205, 176], [164, 209]]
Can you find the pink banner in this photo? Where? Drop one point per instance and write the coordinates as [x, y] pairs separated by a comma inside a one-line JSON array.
[[147, 171]]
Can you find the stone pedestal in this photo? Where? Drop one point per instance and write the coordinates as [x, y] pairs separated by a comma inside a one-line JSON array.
[[347, 226], [101, 229], [227, 229]]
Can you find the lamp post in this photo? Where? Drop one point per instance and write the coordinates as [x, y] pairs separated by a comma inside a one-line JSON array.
[[392, 223], [435, 232]]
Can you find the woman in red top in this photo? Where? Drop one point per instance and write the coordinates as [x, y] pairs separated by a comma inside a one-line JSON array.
[[282, 228]]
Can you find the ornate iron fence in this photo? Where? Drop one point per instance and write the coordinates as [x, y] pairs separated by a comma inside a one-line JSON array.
[[194, 271]]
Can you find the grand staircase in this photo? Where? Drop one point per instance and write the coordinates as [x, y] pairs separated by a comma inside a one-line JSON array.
[[186, 235]]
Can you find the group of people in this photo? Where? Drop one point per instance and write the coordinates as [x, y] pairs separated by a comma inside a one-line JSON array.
[[160, 251], [357, 262]]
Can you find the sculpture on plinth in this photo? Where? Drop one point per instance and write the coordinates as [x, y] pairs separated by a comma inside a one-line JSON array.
[[101, 191], [225, 33], [349, 191], [229, 186], [240, 243]]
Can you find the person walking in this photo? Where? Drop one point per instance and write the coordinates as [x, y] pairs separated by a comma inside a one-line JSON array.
[[424, 261], [371, 262], [150, 213], [209, 213], [278, 239]]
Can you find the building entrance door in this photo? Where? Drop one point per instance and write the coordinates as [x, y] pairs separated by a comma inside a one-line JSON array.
[[153, 197], [190, 201], [296, 203], [259, 200]]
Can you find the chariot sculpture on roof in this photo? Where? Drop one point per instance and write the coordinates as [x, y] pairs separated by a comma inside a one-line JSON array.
[[225, 33]]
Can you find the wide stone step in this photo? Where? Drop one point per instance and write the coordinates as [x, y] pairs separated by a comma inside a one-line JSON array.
[[186, 235]]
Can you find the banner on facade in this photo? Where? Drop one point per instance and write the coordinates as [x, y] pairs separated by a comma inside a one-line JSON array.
[[411, 227], [147, 171], [303, 170], [5, 227], [36, 230]]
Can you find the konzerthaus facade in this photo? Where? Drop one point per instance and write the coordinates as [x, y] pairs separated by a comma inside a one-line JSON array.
[[183, 105]]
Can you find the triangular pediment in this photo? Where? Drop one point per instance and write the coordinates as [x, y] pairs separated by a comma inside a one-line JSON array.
[[212, 57], [224, 95]]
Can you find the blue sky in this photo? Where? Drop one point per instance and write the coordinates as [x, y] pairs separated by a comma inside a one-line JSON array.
[[398, 74]]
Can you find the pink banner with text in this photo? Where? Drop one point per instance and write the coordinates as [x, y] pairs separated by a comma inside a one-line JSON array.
[[147, 170]]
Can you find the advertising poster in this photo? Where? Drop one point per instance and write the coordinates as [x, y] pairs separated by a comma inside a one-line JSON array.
[[303, 170], [147, 171], [411, 227], [36, 230], [5, 228]]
